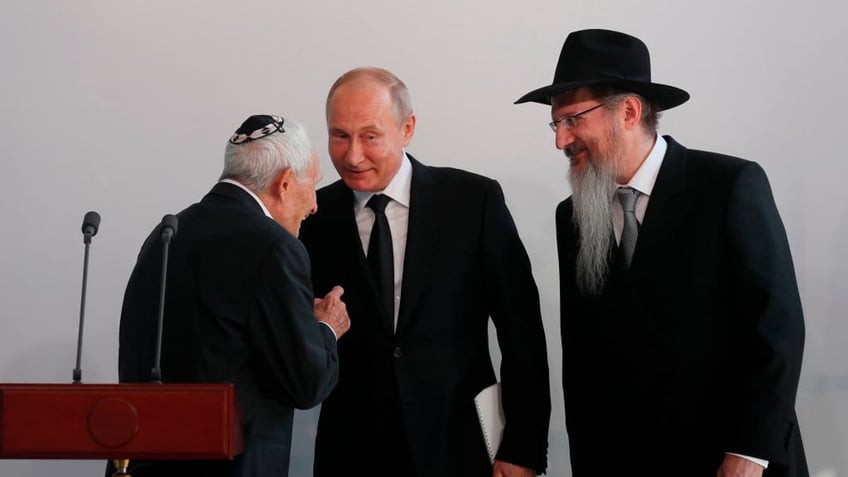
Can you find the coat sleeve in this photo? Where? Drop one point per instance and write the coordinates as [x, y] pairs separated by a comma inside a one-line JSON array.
[[768, 345], [515, 311], [296, 354]]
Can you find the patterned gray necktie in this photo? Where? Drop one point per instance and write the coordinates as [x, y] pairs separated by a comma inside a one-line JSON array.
[[627, 196]]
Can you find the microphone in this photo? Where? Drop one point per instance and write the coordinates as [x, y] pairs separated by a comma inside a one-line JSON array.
[[90, 224], [168, 229]]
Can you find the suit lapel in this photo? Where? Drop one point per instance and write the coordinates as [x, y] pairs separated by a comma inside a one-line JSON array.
[[338, 209], [352, 257], [667, 209], [422, 238], [661, 230]]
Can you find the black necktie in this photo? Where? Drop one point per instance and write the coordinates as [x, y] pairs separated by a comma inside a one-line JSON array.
[[630, 231], [380, 255]]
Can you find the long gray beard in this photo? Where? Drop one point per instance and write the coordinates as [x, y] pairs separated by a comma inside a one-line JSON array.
[[592, 191]]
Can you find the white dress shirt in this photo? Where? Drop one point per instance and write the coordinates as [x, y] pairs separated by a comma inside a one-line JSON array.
[[643, 181], [397, 213]]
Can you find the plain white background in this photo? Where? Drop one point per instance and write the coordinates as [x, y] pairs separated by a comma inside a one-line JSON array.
[[124, 107]]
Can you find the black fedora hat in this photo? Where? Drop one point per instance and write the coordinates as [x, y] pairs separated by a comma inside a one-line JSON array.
[[606, 58]]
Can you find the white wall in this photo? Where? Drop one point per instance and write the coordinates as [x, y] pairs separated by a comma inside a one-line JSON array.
[[124, 107]]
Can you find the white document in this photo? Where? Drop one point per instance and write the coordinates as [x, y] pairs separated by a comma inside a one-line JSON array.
[[490, 413]]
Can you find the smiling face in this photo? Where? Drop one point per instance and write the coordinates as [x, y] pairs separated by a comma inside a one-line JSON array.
[[594, 137], [366, 140]]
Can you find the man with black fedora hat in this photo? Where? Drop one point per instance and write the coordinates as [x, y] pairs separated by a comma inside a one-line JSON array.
[[239, 304], [682, 328]]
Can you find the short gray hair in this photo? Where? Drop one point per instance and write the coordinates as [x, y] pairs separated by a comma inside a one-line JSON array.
[[401, 102], [612, 97], [255, 163]]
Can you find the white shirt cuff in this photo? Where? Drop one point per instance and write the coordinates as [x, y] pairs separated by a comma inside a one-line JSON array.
[[331, 329], [762, 462]]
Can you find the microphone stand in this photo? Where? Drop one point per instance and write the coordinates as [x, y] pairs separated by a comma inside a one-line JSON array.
[[156, 372], [78, 369], [169, 229], [90, 224]]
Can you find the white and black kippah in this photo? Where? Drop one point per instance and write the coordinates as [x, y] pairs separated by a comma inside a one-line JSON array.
[[257, 126]]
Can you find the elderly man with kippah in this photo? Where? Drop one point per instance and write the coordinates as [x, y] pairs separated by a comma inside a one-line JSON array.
[[682, 328], [240, 307]]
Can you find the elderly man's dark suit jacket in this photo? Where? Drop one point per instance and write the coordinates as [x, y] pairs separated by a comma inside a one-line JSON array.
[[696, 350], [239, 308], [464, 262]]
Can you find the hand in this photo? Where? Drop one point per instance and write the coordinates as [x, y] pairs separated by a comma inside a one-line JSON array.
[[505, 469], [332, 311], [735, 466]]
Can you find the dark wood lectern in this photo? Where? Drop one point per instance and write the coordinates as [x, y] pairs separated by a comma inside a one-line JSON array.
[[119, 421]]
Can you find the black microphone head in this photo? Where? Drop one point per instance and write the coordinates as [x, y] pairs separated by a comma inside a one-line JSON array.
[[169, 225], [90, 223]]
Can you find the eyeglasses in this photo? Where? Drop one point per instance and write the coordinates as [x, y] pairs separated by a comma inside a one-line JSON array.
[[569, 122]]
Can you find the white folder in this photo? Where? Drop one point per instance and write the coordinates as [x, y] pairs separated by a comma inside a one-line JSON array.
[[491, 415]]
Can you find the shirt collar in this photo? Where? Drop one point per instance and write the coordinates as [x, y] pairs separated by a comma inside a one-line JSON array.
[[255, 197], [646, 176], [399, 188]]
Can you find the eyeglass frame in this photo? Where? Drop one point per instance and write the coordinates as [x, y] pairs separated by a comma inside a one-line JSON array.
[[570, 122]]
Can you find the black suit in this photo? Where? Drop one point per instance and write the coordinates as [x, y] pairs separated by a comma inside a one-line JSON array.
[[696, 350], [464, 262], [239, 309]]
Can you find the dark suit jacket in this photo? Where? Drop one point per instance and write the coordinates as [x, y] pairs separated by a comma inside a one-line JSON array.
[[239, 309], [464, 262], [696, 350]]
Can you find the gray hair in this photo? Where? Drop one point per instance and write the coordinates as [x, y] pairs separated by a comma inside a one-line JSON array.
[[255, 163], [401, 102], [592, 190], [612, 97]]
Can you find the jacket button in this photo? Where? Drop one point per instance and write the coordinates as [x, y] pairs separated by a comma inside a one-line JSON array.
[[397, 352]]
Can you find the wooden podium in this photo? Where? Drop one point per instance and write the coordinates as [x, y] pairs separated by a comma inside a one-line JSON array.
[[119, 421]]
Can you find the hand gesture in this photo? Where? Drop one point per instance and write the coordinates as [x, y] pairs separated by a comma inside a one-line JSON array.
[[332, 311]]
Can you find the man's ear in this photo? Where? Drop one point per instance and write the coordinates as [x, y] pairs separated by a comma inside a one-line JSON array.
[[282, 183], [632, 108], [407, 129]]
